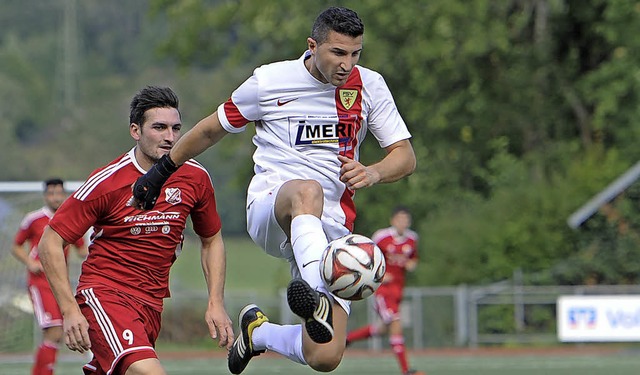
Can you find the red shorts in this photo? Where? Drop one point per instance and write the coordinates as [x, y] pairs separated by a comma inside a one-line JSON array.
[[122, 330], [387, 303], [45, 307]]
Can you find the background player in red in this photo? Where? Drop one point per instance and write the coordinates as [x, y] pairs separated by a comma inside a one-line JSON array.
[[45, 308], [117, 307], [400, 247]]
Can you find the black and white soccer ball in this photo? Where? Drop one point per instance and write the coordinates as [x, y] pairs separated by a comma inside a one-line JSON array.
[[352, 267]]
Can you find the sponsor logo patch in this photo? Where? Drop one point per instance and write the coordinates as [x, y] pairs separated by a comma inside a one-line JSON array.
[[324, 131], [152, 216]]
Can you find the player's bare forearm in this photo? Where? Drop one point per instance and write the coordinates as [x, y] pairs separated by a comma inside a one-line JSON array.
[[51, 251], [399, 162], [22, 255], [213, 260], [203, 135], [146, 189], [74, 325]]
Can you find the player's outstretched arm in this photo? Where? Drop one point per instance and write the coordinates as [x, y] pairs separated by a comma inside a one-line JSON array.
[[205, 134], [75, 326], [399, 162], [213, 259]]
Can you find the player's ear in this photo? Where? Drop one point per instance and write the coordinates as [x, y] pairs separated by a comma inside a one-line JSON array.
[[312, 44], [134, 131]]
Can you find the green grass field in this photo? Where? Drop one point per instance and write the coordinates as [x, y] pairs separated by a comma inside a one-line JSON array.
[[384, 364], [248, 268]]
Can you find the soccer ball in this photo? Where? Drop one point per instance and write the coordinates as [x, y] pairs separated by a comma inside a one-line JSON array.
[[352, 267]]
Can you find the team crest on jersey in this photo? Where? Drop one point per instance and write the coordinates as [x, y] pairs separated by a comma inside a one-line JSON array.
[[348, 97], [172, 195]]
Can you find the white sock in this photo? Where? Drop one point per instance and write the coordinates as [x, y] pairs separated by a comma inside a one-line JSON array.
[[308, 241], [282, 339]]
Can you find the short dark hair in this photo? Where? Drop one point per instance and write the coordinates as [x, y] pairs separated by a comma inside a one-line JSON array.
[[398, 209], [341, 20], [151, 97], [52, 182]]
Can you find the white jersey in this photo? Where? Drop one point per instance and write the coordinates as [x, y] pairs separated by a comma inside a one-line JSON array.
[[302, 125]]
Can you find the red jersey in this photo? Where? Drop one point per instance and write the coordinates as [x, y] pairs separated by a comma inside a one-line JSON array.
[[31, 229], [397, 251], [132, 251]]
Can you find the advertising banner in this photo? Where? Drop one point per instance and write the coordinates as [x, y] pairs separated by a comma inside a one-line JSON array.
[[598, 318]]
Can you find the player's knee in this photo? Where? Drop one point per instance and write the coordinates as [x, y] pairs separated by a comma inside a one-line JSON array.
[[307, 198], [310, 190], [324, 360], [325, 365]]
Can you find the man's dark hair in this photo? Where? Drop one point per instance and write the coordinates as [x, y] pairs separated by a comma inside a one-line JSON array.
[[341, 20], [151, 97], [52, 182], [398, 209]]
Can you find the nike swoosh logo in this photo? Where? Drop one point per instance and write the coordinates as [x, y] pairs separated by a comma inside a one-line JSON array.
[[308, 263], [283, 102]]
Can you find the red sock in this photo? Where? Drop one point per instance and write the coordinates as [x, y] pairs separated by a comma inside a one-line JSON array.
[[397, 344], [361, 333], [45, 359]]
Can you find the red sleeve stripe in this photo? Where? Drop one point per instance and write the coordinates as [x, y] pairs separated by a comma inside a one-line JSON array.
[[233, 115], [86, 188]]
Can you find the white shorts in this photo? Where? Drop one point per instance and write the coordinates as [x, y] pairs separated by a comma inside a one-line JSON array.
[[265, 231]]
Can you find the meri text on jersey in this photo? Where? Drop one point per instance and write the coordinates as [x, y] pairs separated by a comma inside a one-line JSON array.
[[335, 132]]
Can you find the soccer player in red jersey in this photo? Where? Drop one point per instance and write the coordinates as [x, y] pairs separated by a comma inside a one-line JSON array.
[[400, 247], [45, 308], [116, 311], [311, 115]]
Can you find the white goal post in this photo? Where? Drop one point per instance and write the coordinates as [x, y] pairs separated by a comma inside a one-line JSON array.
[[33, 186]]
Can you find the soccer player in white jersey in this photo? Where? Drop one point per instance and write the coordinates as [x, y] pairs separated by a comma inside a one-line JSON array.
[[311, 115]]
